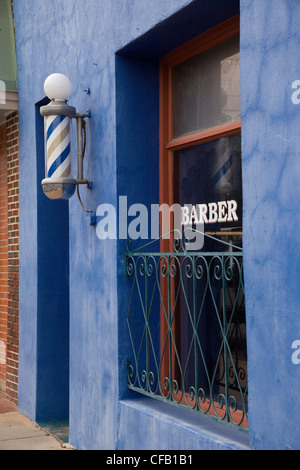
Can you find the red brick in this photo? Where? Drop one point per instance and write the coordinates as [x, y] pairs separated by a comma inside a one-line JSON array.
[[9, 252]]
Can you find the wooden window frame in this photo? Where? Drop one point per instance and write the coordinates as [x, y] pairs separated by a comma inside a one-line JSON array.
[[168, 145]]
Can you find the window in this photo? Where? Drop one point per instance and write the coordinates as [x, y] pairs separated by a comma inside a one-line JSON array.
[[201, 360]]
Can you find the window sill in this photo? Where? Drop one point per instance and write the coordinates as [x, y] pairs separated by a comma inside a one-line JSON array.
[[148, 424]]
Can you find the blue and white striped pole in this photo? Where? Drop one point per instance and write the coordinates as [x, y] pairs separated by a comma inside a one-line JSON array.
[[58, 142], [59, 182]]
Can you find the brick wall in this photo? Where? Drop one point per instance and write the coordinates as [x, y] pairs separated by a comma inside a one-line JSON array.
[[9, 257], [12, 132], [3, 257]]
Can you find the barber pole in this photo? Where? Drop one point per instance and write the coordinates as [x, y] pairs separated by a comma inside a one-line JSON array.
[[58, 135]]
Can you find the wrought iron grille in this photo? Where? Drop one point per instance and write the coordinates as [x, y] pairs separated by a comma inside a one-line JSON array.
[[187, 329]]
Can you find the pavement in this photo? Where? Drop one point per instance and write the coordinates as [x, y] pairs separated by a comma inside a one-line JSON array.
[[17, 432]]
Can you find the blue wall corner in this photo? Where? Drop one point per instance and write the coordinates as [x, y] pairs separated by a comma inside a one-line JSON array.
[[53, 297]]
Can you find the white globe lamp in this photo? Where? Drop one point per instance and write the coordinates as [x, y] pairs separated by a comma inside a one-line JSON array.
[[58, 87]]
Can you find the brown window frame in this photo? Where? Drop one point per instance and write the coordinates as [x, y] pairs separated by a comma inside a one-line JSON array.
[[168, 145]]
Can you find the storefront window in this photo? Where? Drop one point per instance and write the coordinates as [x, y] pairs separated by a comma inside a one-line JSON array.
[[202, 361]]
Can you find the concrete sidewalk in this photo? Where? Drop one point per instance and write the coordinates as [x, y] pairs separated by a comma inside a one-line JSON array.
[[17, 432]]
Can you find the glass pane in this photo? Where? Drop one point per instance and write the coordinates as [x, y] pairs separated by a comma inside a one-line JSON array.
[[206, 89], [208, 177], [210, 308]]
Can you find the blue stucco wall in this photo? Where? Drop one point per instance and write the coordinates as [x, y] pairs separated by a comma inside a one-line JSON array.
[[270, 63], [112, 47]]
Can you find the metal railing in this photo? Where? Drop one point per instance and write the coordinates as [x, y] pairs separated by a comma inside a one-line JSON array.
[[187, 329]]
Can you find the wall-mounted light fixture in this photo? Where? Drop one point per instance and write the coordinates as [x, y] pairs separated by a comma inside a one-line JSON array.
[[59, 182]]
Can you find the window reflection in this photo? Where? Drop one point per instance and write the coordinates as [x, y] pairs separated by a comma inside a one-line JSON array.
[[206, 89], [208, 176]]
